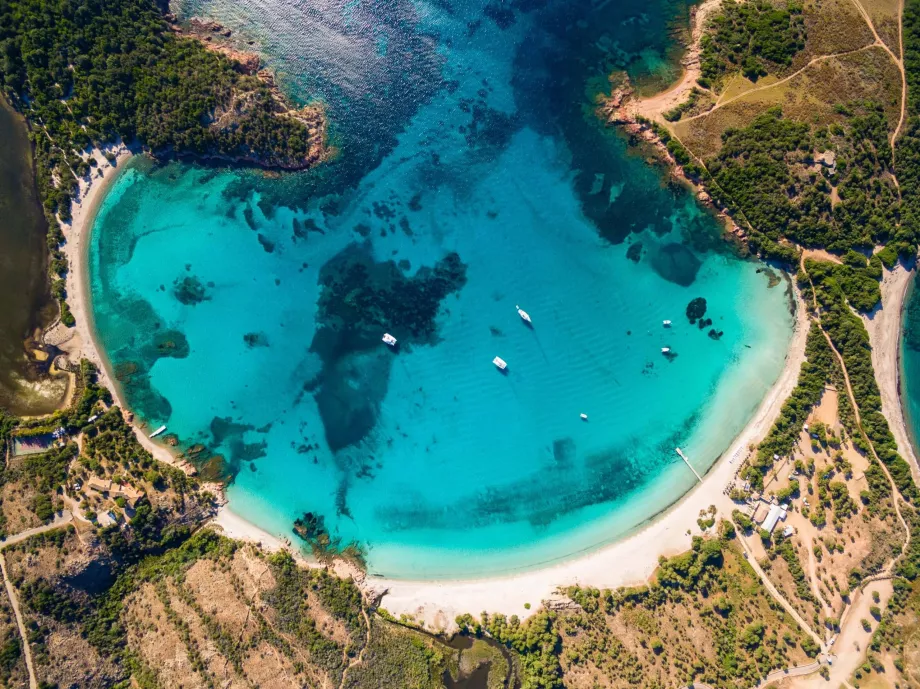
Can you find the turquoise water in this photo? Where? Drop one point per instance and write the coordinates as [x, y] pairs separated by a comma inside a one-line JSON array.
[[246, 310]]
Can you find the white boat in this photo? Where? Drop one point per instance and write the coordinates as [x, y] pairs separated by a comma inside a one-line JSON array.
[[584, 417], [523, 314], [666, 324], [665, 350], [158, 431], [389, 339], [500, 363]]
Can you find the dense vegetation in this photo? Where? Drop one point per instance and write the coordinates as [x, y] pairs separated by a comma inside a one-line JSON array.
[[770, 176], [908, 146], [708, 591], [784, 434], [851, 340], [753, 37]]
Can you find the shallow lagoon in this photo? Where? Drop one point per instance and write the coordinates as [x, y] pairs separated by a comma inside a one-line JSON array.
[[246, 311]]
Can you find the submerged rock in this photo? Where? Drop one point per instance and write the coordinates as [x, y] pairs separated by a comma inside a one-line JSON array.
[[190, 291], [696, 309]]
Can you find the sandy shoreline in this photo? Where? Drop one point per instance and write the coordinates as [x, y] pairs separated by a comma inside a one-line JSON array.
[[652, 107], [884, 326], [625, 562], [82, 344]]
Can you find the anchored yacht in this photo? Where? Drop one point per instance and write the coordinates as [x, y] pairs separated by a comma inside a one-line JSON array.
[[524, 315], [500, 363], [389, 339]]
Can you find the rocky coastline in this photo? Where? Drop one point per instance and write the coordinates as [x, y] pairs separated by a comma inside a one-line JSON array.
[[217, 38], [621, 110]]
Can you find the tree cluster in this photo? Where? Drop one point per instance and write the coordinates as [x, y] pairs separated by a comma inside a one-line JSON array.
[[753, 37]]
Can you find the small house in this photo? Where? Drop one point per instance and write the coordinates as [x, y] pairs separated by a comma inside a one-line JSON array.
[[773, 516]]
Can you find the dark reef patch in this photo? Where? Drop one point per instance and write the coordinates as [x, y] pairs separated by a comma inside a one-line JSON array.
[[267, 244], [133, 362], [696, 309], [365, 298], [676, 263], [501, 14], [564, 451], [255, 340], [225, 427], [189, 290], [170, 343], [634, 252], [231, 435], [489, 128], [360, 300]]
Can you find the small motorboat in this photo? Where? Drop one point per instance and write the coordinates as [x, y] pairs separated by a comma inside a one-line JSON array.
[[584, 417], [500, 363], [666, 324], [389, 339], [158, 431], [665, 350], [524, 315]]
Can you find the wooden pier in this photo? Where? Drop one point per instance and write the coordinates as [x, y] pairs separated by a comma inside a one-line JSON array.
[[687, 461]]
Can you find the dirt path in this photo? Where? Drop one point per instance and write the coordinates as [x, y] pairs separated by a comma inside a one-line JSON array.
[[60, 520], [815, 60], [752, 561], [898, 61], [360, 658], [813, 577], [14, 602], [798, 671]]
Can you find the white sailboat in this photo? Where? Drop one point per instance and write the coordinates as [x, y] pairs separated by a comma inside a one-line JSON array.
[[524, 315], [665, 350]]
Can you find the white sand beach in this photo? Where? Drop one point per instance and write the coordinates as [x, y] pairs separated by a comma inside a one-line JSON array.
[[884, 325]]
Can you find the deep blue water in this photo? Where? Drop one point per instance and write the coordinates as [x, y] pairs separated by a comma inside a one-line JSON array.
[[245, 310]]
